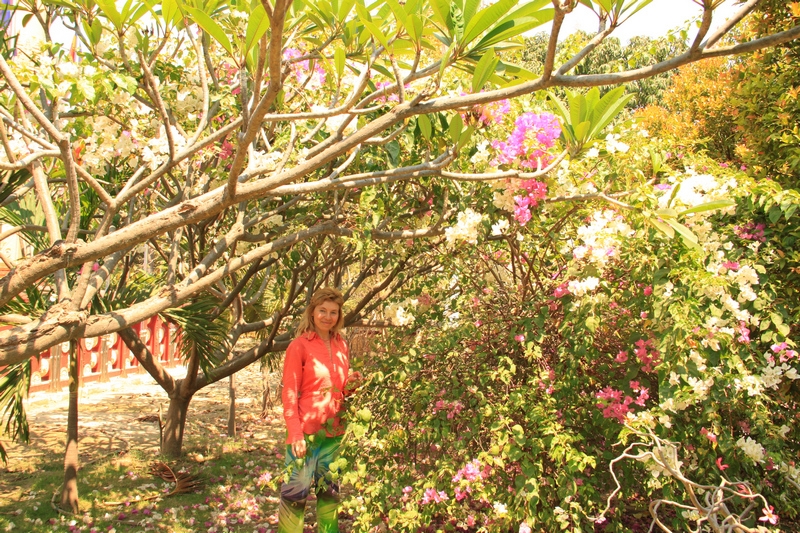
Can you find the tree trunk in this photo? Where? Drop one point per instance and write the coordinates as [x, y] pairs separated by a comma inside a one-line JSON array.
[[69, 494], [174, 424], [179, 398], [232, 406]]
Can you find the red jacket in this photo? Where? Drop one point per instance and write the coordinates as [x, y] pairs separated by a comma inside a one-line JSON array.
[[314, 384]]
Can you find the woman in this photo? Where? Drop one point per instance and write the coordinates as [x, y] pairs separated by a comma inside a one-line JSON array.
[[315, 379]]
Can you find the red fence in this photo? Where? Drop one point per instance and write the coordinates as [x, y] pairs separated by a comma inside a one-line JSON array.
[[106, 357]]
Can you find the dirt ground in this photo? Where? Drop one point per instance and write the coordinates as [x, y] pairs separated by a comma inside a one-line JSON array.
[[122, 414]]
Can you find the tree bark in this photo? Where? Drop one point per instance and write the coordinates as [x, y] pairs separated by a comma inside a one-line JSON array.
[[69, 493], [232, 406], [174, 424], [179, 398]]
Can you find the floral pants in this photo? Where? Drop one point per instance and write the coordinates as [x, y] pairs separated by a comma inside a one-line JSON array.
[[315, 470]]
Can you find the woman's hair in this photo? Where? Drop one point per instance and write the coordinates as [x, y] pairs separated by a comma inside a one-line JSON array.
[[326, 294]]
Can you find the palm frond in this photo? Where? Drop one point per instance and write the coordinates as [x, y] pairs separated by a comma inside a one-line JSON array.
[[138, 287], [208, 336], [32, 304], [14, 383], [21, 216], [11, 180]]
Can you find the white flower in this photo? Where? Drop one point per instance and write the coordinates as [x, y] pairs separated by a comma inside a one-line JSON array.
[[668, 287], [602, 237], [698, 360], [699, 386], [753, 384], [504, 199], [500, 227], [614, 145], [751, 448], [579, 288], [482, 155], [466, 228], [592, 152], [771, 376], [265, 161], [68, 69], [499, 508]]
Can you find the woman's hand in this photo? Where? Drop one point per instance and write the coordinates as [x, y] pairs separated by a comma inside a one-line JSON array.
[[299, 449]]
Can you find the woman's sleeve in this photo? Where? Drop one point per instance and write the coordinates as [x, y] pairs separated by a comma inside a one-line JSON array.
[[292, 378]]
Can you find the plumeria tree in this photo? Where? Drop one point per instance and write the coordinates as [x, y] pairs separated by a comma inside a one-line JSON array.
[[221, 160]]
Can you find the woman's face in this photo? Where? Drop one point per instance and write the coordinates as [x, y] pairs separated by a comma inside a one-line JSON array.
[[326, 315]]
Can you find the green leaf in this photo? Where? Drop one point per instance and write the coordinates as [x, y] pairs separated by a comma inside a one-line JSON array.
[[774, 214], [456, 125], [441, 12], [339, 58], [688, 236], [344, 9], [109, 9], [210, 27], [663, 228], [445, 60], [510, 29], [171, 12], [466, 135], [257, 26], [376, 32], [666, 213], [483, 70], [96, 31], [425, 126], [485, 18], [607, 108], [708, 206], [399, 13]]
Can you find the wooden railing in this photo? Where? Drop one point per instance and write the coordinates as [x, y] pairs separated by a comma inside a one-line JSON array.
[[106, 357]]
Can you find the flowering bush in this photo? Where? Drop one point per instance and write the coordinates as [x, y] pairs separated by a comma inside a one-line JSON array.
[[503, 405]]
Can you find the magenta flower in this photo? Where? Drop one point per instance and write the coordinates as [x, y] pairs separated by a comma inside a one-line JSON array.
[[648, 290], [493, 112], [432, 496], [472, 471], [532, 137]]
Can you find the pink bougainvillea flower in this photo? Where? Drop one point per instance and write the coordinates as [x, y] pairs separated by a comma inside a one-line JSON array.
[[524, 528], [709, 435], [533, 135], [720, 465], [648, 290], [561, 291], [769, 515], [520, 338]]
